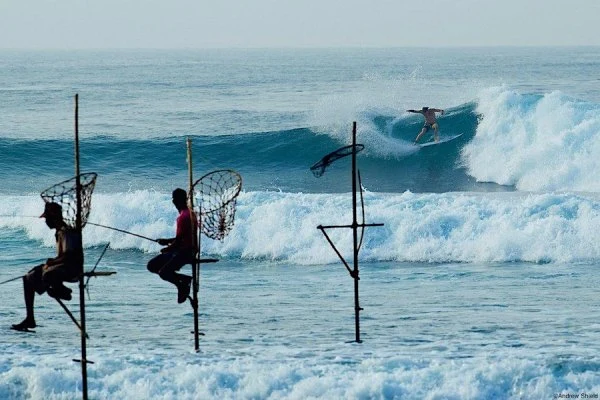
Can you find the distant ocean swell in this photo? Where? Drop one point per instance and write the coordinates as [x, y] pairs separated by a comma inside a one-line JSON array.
[[539, 142], [432, 228], [267, 161], [385, 139]]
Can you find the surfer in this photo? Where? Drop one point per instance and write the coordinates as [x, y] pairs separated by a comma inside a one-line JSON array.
[[179, 250], [65, 267], [430, 122]]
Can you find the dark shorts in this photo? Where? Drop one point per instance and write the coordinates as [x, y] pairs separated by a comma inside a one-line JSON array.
[[428, 126], [42, 276], [167, 263]]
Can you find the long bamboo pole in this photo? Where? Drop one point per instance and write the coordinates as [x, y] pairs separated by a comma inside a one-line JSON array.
[[355, 238], [354, 271], [78, 228], [196, 244]]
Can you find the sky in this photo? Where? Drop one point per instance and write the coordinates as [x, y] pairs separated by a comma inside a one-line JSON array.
[[113, 24]]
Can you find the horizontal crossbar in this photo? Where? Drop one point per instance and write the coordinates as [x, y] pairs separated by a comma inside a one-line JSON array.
[[99, 273], [347, 226], [206, 260]]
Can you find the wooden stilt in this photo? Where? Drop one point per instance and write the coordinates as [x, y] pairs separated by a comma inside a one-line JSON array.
[[354, 271], [196, 243], [78, 227]]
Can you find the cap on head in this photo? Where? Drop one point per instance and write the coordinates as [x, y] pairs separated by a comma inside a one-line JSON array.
[[425, 108], [52, 210]]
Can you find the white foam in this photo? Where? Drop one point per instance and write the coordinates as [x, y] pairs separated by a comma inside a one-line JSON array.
[[387, 96], [450, 227], [538, 143], [175, 376]]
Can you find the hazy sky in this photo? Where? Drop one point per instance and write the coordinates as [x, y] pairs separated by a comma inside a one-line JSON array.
[[72, 24]]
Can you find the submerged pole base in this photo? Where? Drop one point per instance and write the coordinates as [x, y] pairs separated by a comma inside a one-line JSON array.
[[354, 341]]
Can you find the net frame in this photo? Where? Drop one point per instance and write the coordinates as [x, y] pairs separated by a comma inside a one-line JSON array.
[[318, 169], [65, 194], [215, 197]]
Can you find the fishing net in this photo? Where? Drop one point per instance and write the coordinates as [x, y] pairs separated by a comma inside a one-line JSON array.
[[318, 169], [215, 197], [65, 194]]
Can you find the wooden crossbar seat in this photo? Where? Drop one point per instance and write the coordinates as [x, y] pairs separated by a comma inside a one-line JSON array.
[[90, 274], [205, 260], [99, 273]]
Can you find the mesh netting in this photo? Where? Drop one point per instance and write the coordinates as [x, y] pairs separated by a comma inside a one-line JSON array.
[[65, 194], [318, 169], [215, 197]]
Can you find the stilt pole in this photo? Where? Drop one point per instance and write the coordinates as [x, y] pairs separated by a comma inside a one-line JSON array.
[[354, 271], [196, 243], [78, 227], [355, 238]]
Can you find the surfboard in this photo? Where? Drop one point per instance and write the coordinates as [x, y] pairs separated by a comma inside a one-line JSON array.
[[442, 140]]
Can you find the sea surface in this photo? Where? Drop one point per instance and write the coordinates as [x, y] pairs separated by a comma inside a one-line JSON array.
[[483, 282]]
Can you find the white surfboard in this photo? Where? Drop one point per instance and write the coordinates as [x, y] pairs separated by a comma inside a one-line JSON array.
[[442, 140]]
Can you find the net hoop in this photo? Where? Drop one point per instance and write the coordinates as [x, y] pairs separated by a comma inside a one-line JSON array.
[[215, 197], [318, 169], [65, 194]]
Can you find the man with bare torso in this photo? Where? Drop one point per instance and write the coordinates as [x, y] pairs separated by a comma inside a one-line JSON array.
[[430, 122], [49, 277]]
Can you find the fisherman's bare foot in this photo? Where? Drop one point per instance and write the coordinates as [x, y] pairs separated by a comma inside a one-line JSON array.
[[25, 325], [183, 289]]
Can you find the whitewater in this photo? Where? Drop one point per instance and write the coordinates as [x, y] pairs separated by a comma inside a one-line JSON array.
[[482, 283]]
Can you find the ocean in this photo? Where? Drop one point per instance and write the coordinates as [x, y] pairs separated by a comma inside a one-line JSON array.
[[482, 283]]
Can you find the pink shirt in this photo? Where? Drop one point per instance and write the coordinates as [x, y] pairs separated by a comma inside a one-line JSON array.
[[185, 231]]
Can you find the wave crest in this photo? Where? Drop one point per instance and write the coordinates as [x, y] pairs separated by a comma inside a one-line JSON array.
[[542, 142], [436, 228]]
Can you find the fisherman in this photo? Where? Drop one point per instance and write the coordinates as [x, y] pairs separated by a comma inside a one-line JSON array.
[[65, 267], [430, 122], [179, 250]]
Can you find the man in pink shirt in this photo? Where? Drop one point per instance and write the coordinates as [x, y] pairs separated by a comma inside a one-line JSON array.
[[179, 250]]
